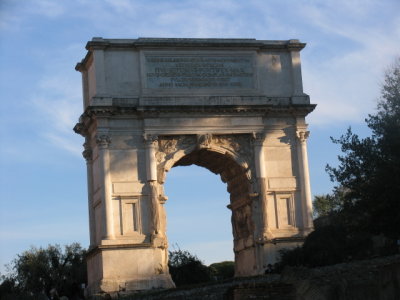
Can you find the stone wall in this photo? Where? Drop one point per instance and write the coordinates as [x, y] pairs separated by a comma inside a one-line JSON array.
[[362, 280]]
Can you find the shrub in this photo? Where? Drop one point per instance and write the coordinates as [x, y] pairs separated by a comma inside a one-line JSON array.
[[185, 268], [223, 270]]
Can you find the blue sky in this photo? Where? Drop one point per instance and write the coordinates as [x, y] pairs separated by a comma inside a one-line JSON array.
[[42, 173]]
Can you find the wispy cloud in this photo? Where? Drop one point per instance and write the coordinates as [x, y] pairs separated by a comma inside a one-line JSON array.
[[342, 65], [346, 83], [14, 14], [343, 80], [58, 102]]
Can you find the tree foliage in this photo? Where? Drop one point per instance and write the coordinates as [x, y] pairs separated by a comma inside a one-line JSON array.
[[331, 244], [185, 268], [40, 270], [369, 168], [361, 215], [325, 205], [223, 270]]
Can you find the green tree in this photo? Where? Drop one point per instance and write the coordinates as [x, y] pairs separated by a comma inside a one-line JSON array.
[[369, 168], [223, 270], [39, 270], [365, 205], [185, 268], [328, 204], [323, 205]]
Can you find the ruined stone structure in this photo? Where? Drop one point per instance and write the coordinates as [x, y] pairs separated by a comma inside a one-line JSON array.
[[233, 106]]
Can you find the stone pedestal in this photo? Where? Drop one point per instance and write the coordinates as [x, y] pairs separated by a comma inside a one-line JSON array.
[[124, 268]]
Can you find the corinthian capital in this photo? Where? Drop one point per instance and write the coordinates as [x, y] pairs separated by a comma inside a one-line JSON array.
[[150, 139], [258, 138], [87, 153], [103, 140], [302, 135]]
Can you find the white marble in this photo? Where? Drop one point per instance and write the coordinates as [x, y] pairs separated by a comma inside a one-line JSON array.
[[233, 106]]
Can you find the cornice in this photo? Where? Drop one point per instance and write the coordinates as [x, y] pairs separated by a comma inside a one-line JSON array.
[[107, 111], [97, 249], [99, 43], [229, 109]]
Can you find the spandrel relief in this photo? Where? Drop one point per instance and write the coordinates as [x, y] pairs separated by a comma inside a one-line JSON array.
[[168, 145], [239, 146]]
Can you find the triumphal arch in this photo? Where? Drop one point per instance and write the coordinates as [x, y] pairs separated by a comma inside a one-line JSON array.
[[233, 106]]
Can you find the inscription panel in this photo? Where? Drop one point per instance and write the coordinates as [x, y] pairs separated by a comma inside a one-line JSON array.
[[205, 71]]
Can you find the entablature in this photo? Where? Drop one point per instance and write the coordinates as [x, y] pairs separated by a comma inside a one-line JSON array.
[[93, 112]]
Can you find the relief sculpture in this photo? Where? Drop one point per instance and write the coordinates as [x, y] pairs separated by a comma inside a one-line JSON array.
[[204, 140], [243, 225], [240, 145], [155, 209]]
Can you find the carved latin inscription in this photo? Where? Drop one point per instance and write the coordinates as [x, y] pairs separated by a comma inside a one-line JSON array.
[[199, 71]]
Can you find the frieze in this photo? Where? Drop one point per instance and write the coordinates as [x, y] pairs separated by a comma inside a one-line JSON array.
[[175, 107], [214, 100]]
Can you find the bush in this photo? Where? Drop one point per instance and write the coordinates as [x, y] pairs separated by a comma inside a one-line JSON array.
[[37, 271], [223, 270], [332, 244], [185, 268]]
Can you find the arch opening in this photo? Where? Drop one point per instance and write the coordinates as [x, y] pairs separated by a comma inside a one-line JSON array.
[[241, 206], [224, 165], [197, 217]]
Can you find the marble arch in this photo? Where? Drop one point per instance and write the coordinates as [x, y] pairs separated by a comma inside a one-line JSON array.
[[233, 106]]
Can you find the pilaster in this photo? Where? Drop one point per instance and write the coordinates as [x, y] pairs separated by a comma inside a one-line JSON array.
[[259, 161], [88, 155], [103, 141], [297, 87], [151, 165], [98, 55]]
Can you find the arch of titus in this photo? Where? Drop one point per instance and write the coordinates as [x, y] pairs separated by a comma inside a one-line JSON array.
[[233, 106]]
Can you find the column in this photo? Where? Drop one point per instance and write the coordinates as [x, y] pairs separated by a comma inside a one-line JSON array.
[[302, 136], [87, 154], [261, 178], [103, 141], [151, 166]]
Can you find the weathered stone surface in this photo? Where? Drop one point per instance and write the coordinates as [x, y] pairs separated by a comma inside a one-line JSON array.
[[376, 279], [233, 106]]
